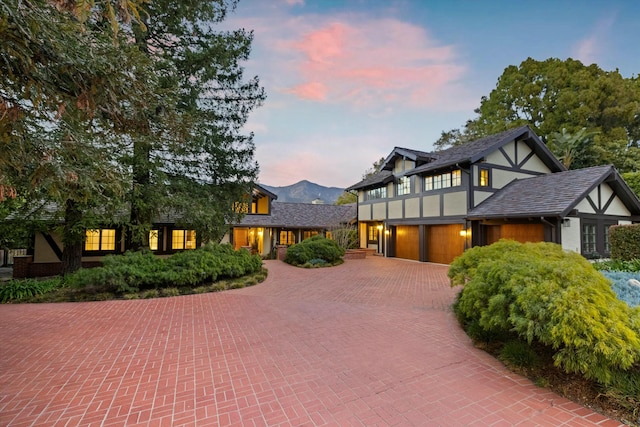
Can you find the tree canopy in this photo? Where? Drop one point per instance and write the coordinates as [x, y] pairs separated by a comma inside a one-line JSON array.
[[555, 96], [124, 105]]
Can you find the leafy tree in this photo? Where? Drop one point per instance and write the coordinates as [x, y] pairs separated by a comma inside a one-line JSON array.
[[345, 198], [199, 176], [552, 95], [374, 169], [573, 150], [633, 180], [69, 90]]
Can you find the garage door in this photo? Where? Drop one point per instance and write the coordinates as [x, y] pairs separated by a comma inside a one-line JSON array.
[[444, 243], [408, 242], [523, 232]]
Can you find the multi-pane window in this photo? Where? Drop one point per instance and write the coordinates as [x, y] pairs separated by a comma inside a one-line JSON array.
[[183, 239], [100, 240], [404, 186], [588, 238], [456, 178], [287, 237], [372, 234], [376, 193], [445, 180], [484, 177]]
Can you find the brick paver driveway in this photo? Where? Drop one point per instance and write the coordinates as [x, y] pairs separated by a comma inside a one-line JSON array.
[[371, 342]]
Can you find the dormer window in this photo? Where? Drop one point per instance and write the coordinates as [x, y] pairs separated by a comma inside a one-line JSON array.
[[404, 186]]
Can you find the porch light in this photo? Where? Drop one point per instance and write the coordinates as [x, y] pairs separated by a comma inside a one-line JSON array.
[[464, 232], [380, 227]]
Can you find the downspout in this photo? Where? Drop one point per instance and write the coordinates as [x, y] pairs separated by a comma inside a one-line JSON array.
[[553, 228]]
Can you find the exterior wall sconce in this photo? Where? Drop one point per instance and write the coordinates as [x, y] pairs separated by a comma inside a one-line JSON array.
[[465, 232]]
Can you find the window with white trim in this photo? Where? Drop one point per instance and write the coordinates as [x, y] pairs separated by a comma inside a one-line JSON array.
[[404, 186]]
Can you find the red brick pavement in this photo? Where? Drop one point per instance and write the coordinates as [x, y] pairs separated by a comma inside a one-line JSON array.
[[369, 343]]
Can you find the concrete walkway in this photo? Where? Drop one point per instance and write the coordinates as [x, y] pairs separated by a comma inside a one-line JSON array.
[[372, 342]]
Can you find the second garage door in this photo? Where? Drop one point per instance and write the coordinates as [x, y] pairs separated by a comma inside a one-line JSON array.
[[444, 243]]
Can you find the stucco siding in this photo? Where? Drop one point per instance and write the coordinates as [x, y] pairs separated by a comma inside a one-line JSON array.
[[571, 234], [455, 203], [503, 177], [536, 165], [379, 211], [364, 212], [498, 158], [480, 196], [585, 207], [395, 209], [431, 206], [412, 208], [617, 208], [43, 252]]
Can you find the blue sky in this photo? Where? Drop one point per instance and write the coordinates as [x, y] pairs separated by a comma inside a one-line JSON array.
[[347, 81]]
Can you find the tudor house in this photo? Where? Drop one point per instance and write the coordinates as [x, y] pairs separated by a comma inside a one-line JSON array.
[[264, 225], [432, 206], [268, 224]]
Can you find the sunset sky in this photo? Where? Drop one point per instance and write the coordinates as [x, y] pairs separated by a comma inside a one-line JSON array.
[[347, 81]]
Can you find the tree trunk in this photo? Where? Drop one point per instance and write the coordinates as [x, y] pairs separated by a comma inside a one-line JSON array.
[[72, 237], [140, 218]]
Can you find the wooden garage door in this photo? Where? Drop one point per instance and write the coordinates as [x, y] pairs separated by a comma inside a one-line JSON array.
[[523, 232], [444, 243], [407, 242]]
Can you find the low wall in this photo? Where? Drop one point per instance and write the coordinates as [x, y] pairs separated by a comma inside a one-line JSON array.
[[24, 267], [355, 254]]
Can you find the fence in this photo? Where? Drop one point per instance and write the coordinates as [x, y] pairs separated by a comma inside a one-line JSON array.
[[6, 256]]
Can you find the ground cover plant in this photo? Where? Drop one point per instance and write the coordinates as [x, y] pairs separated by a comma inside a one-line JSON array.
[[551, 315], [316, 251], [142, 275]]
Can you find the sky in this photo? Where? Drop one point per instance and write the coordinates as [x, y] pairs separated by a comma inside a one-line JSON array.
[[347, 81]]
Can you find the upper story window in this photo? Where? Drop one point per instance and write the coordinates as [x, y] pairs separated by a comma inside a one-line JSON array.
[[100, 240], [484, 177], [404, 186], [183, 239], [445, 180], [376, 193]]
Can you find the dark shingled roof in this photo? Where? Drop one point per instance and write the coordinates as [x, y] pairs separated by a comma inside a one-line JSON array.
[[302, 215], [476, 150], [554, 194], [374, 180], [462, 154]]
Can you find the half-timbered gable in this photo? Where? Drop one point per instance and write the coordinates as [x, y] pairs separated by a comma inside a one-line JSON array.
[[431, 206]]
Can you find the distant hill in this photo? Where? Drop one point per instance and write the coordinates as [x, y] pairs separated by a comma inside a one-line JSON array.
[[305, 192]]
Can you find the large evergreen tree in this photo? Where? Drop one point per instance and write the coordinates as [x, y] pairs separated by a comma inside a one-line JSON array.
[[69, 94], [563, 96], [200, 175]]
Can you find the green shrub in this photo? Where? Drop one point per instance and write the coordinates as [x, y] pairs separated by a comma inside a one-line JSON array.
[[544, 294], [169, 292], [150, 293], [20, 290], [519, 354], [625, 242], [631, 266], [135, 271], [314, 248]]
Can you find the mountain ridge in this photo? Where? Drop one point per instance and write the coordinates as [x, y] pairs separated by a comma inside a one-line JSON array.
[[305, 191]]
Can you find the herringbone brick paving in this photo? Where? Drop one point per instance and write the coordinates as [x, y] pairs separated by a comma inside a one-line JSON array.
[[369, 343]]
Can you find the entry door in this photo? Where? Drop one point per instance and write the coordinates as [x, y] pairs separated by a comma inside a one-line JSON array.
[[240, 237]]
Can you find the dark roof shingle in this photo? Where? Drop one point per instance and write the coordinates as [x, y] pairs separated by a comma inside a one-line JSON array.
[[302, 215], [554, 194]]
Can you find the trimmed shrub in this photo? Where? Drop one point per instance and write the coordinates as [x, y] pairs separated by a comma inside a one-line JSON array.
[[625, 242], [544, 294], [314, 248], [135, 271]]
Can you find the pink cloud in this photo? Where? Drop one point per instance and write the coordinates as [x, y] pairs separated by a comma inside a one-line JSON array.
[[375, 59], [590, 48], [314, 91]]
